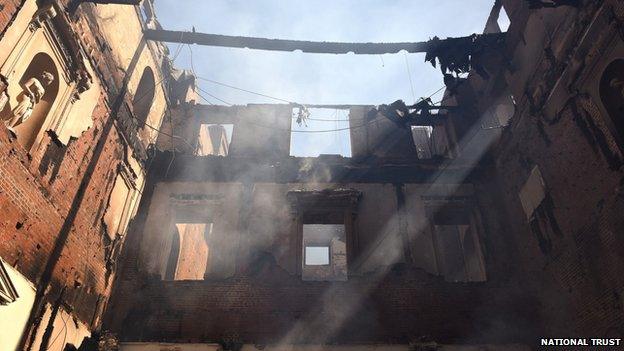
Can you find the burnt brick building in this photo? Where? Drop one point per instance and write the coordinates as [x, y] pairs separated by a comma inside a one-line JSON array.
[[489, 222]]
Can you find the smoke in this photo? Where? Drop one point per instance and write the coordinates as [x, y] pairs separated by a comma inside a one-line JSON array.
[[319, 79], [325, 322]]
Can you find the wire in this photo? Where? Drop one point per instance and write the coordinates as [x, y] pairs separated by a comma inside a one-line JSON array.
[[245, 90], [205, 99], [313, 131], [198, 87], [437, 91], [214, 97], [270, 97], [445, 99], [59, 333], [409, 75], [291, 102], [191, 58], [167, 134]]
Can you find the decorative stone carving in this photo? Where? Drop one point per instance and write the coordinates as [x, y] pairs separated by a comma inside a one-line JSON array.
[[73, 59], [4, 96], [44, 14], [33, 91], [83, 84]]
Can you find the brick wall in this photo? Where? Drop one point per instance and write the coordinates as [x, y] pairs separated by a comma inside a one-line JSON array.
[[579, 282], [34, 207], [400, 306], [8, 9]]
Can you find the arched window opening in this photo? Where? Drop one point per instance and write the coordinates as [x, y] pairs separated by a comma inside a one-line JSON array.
[[612, 95], [39, 88], [144, 96]]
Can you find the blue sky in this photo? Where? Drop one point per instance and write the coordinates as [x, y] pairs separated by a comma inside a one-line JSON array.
[[319, 78]]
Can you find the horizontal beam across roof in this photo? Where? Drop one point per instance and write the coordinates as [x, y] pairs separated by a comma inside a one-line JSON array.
[[304, 46]]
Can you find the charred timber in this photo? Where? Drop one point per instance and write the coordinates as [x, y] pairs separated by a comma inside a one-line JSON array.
[[312, 46]]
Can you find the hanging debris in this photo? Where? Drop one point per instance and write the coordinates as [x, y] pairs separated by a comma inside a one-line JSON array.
[[461, 56], [302, 116], [404, 116], [452, 83]]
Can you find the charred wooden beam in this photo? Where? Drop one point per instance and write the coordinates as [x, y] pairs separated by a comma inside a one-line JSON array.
[[306, 46], [539, 4], [118, 2]]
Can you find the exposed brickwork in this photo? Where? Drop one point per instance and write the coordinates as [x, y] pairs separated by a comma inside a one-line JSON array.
[[8, 9], [578, 281], [401, 306], [53, 198], [573, 290], [34, 209]]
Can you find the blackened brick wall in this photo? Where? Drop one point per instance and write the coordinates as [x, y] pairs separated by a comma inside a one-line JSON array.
[[34, 206], [8, 10]]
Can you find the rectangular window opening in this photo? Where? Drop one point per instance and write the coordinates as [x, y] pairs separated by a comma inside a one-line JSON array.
[[424, 141], [323, 131], [317, 255], [118, 211], [190, 251], [8, 293], [214, 139], [458, 249], [324, 252]]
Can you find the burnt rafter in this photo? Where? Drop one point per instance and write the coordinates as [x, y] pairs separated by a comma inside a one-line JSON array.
[[539, 4], [418, 114], [315, 46]]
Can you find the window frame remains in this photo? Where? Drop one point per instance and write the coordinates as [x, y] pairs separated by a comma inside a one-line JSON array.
[[329, 206], [8, 293]]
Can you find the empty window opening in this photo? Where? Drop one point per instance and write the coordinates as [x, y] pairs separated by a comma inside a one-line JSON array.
[[430, 142], [458, 252], [500, 113], [317, 255], [144, 96], [423, 140], [324, 252], [8, 293], [118, 212], [612, 95], [498, 21], [190, 252], [533, 192], [503, 20], [538, 208], [214, 139], [323, 132]]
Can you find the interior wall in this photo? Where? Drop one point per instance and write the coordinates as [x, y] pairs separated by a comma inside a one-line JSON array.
[[272, 228]]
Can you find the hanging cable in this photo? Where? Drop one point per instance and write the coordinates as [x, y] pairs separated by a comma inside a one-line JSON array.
[[247, 91], [214, 97], [437, 91], [409, 75]]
